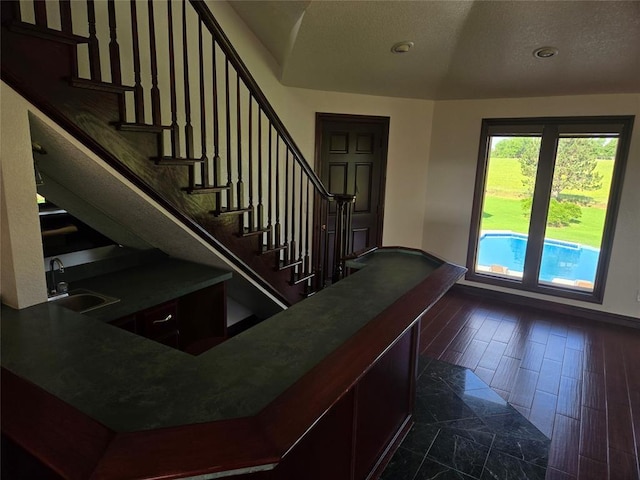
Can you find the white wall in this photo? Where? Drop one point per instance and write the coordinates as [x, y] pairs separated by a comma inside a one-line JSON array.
[[451, 175], [409, 130], [22, 280]]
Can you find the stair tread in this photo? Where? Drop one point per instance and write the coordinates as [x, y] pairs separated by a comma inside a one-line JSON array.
[[233, 211], [96, 85], [247, 233], [283, 265], [45, 32], [275, 248], [141, 127], [299, 278], [180, 161], [197, 190]]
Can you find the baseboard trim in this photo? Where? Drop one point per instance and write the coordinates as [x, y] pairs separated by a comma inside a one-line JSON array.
[[548, 306]]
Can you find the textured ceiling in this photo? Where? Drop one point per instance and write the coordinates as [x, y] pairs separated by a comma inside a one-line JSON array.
[[463, 49]]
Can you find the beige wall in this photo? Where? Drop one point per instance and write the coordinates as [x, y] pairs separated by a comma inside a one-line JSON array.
[[409, 140], [409, 130], [451, 175], [22, 281]]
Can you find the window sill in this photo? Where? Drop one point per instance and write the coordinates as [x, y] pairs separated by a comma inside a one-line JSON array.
[[551, 290]]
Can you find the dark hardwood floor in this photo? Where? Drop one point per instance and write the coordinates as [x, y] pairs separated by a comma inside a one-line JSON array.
[[578, 381]]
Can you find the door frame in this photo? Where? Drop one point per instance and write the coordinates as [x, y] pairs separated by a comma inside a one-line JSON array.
[[321, 118]]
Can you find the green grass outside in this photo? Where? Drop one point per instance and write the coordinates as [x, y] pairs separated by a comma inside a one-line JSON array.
[[503, 210], [505, 180], [507, 214]]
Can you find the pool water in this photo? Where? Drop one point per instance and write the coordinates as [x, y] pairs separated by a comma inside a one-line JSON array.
[[564, 260]]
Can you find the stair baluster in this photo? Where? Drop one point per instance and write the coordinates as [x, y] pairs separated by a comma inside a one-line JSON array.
[[155, 92], [251, 215], [175, 129], [138, 93], [342, 244], [40, 12], [260, 187], [277, 227], [16, 11], [230, 193], [188, 128], [114, 48], [240, 183], [204, 166], [301, 228], [307, 262], [65, 16], [217, 161], [286, 208], [94, 47], [292, 243], [269, 190]]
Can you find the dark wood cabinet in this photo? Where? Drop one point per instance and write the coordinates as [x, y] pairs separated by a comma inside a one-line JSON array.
[[203, 318], [357, 436], [194, 322], [160, 322], [384, 403]]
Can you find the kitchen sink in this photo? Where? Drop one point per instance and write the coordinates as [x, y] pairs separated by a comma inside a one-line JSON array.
[[82, 301]]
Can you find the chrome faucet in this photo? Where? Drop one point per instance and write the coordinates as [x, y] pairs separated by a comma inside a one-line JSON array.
[[52, 269]]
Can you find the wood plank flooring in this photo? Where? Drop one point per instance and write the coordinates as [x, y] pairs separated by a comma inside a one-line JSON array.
[[578, 381]]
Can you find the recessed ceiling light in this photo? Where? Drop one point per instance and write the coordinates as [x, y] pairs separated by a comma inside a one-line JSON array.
[[545, 52], [402, 47]]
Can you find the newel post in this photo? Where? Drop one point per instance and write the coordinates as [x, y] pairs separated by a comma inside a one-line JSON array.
[[342, 245]]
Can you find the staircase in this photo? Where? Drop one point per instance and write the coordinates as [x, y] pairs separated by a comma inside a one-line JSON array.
[[156, 90]]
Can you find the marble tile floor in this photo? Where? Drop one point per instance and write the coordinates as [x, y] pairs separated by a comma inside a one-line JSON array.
[[464, 430]]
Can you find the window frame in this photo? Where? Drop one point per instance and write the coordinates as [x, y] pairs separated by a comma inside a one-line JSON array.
[[551, 130]]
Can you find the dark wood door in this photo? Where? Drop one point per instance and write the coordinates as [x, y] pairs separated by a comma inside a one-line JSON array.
[[351, 159]]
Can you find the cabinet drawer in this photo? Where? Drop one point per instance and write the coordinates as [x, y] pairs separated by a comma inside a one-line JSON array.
[[159, 321]]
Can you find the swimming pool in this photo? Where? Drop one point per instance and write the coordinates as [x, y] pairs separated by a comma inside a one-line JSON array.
[[560, 260]]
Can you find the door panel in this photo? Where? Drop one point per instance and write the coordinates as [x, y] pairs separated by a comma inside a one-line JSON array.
[[362, 188], [352, 160], [360, 238]]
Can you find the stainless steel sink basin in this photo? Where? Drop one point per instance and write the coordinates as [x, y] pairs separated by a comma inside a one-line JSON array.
[[82, 301]]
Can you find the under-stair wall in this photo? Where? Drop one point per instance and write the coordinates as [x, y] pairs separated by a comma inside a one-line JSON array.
[[157, 89]]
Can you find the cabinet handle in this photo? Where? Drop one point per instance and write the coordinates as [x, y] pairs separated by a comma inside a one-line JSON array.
[[164, 320]]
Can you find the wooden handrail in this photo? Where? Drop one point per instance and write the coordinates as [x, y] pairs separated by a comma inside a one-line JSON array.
[[214, 27]]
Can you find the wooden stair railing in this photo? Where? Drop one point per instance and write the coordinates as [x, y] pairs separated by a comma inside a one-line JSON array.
[[189, 88]]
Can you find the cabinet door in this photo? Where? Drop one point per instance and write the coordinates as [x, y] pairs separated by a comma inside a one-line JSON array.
[[383, 403], [325, 451], [203, 318]]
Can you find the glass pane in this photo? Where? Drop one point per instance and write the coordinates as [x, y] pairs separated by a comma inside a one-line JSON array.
[[506, 206], [575, 220]]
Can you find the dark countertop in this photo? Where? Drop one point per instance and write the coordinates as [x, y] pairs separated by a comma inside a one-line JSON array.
[[130, 383], [148, 285]]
